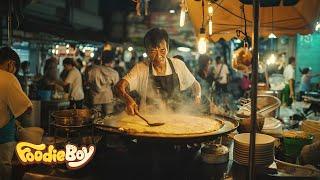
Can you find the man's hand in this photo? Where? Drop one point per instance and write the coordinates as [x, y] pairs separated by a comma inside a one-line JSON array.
[[197, 100], [132, 107]]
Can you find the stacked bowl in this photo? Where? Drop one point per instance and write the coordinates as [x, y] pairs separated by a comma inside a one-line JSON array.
[[264, 154]]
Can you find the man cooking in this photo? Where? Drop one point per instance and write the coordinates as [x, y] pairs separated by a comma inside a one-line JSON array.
[[160, 77]]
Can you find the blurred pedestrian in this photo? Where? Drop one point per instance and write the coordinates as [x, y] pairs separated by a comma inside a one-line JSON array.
[[289, 76], [102, 80]]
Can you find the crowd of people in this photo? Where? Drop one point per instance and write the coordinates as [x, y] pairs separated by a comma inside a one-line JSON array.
[[145, 84]]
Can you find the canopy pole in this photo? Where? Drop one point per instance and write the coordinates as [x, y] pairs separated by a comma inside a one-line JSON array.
[[256, 7], [10, 23]]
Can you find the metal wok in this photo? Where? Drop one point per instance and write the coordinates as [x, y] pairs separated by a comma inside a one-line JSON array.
[[230, 125]]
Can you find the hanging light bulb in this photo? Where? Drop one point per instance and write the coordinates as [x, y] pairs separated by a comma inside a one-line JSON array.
[[182, 17], [271, 59], [272, 36], [210, 26], [210, 10], [183, 12], [202, 43]]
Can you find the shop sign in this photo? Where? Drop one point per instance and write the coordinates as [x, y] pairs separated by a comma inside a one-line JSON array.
[[74, 157]]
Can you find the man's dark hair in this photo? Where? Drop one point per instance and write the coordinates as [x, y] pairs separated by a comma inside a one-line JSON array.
[[154, 37], [6, 53], [69, 61], [218, 58], [25, 65], [107, 57], [305, 70], [292, 59], [203, 61]]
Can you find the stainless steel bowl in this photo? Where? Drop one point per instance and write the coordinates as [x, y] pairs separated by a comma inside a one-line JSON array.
[[73, 117]]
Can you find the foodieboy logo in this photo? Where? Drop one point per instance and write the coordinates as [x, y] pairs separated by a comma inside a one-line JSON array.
[[74, 157]]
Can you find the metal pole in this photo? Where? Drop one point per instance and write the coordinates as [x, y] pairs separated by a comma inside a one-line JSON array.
[[10, 24], [256, 6]]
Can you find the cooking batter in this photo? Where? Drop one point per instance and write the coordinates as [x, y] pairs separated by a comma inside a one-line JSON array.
[[159, 80]]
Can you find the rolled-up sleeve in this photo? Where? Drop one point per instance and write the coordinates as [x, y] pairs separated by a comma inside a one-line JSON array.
[[186, 78], [18, 101], [132, 77]]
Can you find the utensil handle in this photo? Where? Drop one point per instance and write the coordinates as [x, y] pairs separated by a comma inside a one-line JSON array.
[[139, 115]]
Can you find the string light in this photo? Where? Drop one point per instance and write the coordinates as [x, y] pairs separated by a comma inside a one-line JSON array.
[[144, 55]]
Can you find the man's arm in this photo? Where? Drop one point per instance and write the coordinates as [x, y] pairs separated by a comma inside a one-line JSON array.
[[196, 88], [62, 83], [122, 87]]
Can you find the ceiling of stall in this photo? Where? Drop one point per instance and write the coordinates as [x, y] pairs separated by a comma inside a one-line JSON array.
[[289, 17]]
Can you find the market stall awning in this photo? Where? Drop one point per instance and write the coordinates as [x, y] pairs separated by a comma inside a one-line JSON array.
[[228, 17]]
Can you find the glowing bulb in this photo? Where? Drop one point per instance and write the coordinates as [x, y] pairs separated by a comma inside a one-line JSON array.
[[130, 48], [210, 10], [67, 46], [57, 52], [317, 26], [271, 59], [57, 46], [80, 47], [53, 51], [172, 11], [182, 17], [144, 55], [210, 27], [202, 45], [67, 51], [272, 36], [92, 55]]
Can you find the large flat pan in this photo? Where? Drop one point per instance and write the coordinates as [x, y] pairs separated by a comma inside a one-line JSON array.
[[230, 125]]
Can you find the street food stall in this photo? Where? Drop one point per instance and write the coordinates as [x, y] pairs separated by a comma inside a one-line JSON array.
[[160, 141]]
